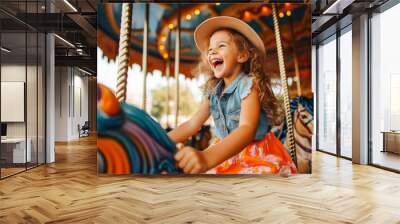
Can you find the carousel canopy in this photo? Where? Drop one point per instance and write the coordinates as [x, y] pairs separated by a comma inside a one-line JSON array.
[[294, 24]]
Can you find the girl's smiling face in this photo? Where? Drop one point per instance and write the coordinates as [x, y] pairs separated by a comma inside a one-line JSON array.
[[223, 55]]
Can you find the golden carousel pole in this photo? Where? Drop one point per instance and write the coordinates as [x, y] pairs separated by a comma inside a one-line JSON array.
[[296, 63], [144, 54], [177, 55], [167, 72], [282, 70], [123, 56]]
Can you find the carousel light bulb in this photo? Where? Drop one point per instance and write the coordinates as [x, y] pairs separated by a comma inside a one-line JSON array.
[[162, 47], [165, 55], [163, 38], [264, 10], [281, 15], [217, 4], [247, 15], [171, 26], [197, 12], [188, 16], [288, 13]]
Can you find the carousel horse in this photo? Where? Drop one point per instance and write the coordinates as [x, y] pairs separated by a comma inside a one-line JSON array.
[[303, 120], [129, 140], [303, 131]]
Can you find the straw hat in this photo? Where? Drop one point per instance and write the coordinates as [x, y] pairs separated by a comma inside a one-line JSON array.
[[208, 27]]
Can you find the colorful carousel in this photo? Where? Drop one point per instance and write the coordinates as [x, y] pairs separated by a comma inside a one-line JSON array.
[[159, 36]]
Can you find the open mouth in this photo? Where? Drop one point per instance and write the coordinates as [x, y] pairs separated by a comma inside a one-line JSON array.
[[216, 62]]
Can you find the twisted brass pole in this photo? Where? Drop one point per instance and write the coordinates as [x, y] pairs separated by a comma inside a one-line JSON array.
[[282, 70], [144, 58], [123, 56]]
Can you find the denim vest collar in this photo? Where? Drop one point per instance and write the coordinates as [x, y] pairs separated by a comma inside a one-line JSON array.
[[218, 88]]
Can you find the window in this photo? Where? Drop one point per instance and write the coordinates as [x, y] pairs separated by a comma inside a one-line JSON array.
[[346, 92], [385, 88], [327, 96], [22, 76]]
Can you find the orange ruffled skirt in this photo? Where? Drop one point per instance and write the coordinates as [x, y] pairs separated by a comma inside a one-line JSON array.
[[265, 156]]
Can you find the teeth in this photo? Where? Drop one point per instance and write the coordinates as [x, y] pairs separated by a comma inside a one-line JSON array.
[[214, 61]]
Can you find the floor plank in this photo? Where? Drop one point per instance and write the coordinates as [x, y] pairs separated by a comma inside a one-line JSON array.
[[69, 191]]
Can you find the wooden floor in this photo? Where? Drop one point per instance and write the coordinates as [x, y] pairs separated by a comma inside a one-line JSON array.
[[387, 159], [69, 191], [10, 171], [5, 172]]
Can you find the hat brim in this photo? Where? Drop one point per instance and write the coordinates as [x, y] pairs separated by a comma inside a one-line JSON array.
[[204, 31]]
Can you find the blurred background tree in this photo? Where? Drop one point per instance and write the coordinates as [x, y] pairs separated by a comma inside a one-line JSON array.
[[187, 102]]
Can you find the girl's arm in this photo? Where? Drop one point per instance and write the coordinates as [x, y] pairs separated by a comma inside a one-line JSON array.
[[192, 126], [193, 161]]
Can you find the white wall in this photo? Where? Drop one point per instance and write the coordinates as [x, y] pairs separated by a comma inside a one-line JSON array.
[[71, 102], [33, 127], [61, 103], [16, 73], [80, 102], [12, 73]]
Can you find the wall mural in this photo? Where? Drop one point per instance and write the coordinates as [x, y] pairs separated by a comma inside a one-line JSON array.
[[208, 88]]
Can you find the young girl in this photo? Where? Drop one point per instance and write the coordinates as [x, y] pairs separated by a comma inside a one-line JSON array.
[[239, 97]]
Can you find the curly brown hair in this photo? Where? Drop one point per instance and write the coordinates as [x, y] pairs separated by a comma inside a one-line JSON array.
[[254, 67]]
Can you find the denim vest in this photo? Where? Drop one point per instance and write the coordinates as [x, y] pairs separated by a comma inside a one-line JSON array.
[[225, 107]]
